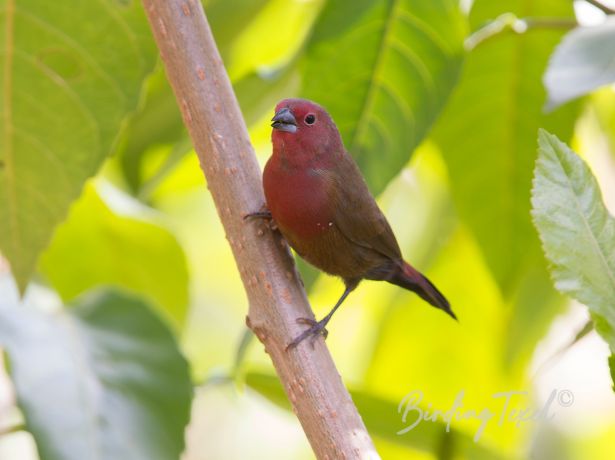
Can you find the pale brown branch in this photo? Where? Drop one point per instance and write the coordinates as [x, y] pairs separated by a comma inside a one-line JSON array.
[[601, 6], [276, 297]]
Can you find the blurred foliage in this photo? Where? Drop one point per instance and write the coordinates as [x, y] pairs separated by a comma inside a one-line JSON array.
[[603, 103], [382, 420], [112, 250], [440, 103], [392, 91], [581, 63], [107, 371], [158, 122], [500, 95], [65, 99]]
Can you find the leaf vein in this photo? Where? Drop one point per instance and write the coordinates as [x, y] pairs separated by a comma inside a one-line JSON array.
[[94, 65]]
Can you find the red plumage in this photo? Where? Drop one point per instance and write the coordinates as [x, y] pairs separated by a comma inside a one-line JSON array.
[[320, 202]]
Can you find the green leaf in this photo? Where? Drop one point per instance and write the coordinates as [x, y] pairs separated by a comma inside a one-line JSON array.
[[384, 70], [487, 135], [71, 72], [581, 63], [309, 273], [456, 355], [157, 128], [265, 40], [104, 379], [534, 306], [258, 94], [247, 339], [577, 231], [384, 419], [95, 246], [229, 19], [157, 122], [603, 103]]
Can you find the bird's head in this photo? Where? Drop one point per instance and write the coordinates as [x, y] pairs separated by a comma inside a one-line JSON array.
[[304, 128]]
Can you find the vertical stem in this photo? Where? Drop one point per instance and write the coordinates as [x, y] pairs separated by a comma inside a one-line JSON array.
[[601, 6], [276, 297]]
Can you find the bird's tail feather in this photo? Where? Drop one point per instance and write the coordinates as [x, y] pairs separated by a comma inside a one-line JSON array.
[[410, 278]]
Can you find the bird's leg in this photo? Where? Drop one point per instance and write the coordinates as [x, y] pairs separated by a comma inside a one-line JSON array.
[[318, 328]]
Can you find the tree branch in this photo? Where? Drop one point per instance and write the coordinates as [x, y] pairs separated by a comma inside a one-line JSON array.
[[509, 22], [601, 6], [276, 297]]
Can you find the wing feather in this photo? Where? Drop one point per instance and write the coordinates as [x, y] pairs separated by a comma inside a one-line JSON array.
[[357, 214]]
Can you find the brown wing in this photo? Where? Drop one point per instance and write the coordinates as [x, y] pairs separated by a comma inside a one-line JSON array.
[[357, 214]]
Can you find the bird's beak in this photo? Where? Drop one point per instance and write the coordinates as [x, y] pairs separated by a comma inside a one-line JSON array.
[[284, 120]]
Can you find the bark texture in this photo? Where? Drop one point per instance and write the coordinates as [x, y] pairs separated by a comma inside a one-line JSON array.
[[275, 294]]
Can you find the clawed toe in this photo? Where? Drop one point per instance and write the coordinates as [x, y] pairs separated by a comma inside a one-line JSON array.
[[308, 321], [316, 329], [264, 215], [257, 215]]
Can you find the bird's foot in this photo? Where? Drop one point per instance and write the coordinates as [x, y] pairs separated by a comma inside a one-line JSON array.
[[262, 214], [316, 329], [258, 215]]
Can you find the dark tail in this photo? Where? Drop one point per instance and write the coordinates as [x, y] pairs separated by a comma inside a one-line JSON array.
[[410, 278]]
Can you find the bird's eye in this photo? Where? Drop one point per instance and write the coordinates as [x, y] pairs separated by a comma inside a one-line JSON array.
[[310, 119]]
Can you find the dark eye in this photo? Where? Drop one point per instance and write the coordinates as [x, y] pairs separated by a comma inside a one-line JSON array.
[[310, 119]]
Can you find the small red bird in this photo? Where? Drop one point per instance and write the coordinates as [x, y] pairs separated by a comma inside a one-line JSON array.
[[320, 202]]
